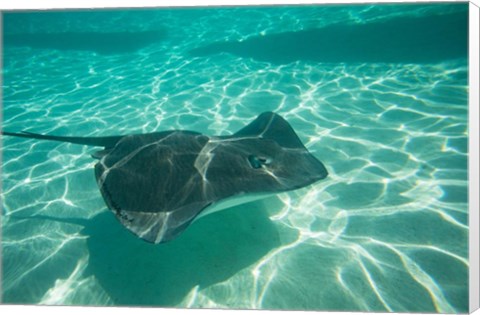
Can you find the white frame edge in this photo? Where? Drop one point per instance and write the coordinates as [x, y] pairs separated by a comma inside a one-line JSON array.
[[473, 157]]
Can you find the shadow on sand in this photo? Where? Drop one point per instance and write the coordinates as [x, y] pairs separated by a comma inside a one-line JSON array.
[[401, 40], [101, 43], [134, 272]]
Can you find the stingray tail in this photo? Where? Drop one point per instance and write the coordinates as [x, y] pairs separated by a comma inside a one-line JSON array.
[[107, 142]]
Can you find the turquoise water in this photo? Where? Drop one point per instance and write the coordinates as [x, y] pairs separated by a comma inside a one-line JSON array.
[[378, 93]]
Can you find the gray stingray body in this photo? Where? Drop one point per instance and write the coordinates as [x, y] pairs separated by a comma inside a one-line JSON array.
[[158, 183]]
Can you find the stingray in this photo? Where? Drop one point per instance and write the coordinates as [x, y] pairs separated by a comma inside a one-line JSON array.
[[158, 183]]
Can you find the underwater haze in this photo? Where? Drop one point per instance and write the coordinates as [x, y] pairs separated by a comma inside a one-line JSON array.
[[377, 92]]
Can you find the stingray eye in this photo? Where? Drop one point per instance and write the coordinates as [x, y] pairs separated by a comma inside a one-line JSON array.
[[264, 160], [258, 161]]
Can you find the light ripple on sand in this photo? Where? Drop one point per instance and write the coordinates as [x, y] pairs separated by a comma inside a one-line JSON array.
[[392, 130]]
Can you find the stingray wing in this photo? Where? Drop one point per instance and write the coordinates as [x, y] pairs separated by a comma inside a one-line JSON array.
[[149, 181], [158, 183], [270, 125], [160, 226]]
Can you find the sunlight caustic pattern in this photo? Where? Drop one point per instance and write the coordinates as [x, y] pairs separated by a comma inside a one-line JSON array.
[[387, 230]]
